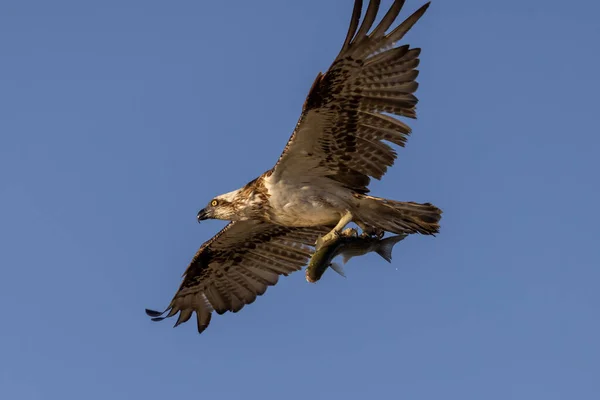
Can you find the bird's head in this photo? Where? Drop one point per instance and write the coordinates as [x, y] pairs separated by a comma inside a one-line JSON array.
[[225, 206]]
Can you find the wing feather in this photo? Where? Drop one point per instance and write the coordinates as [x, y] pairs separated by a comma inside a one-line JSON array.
[[370, 16], [401, 30], [342, 127], [269, 278], [219, 301], [388, 19], [203, 319], [184, 315], [235, 266], [354, 20]]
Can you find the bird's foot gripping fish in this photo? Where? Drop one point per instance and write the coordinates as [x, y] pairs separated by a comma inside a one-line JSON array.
[[348, 244], [332, 236]]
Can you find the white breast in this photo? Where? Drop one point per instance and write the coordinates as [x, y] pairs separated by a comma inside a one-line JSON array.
[[305, 204]]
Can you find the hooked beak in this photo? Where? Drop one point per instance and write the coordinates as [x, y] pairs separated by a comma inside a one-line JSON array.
[[202, 215]]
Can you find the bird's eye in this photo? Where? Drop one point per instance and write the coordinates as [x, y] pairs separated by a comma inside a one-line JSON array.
[[214, 203]]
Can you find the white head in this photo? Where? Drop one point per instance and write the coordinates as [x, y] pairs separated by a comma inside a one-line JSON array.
[[238, 205], [224, 206]]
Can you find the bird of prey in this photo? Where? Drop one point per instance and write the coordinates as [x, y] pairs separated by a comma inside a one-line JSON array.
[[322, 176], [320, 182]]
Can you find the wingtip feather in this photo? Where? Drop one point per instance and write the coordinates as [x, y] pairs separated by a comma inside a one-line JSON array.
[[370, 16], [153, 313], [354, 19]]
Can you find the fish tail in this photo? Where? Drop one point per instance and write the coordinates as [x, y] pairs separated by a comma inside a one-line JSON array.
[[385, 246], [338, 268]]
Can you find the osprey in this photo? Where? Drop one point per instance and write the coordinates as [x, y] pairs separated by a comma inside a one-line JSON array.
[[320, 182]]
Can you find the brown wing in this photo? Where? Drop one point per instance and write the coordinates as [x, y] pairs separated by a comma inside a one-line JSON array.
[[342, 128], [235, 266]]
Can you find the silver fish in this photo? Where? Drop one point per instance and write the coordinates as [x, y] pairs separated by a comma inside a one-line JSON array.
[[349, 245]]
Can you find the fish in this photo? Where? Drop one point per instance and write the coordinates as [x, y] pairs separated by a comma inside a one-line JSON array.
[[349, 244]]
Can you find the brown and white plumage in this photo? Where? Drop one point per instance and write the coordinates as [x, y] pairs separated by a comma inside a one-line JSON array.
[[341, 140], [235, 266], [342, 128]]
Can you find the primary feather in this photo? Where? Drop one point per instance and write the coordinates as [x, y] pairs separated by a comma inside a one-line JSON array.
[[234, 267]]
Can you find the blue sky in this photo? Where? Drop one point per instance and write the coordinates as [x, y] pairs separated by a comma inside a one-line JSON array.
[[119, 120]]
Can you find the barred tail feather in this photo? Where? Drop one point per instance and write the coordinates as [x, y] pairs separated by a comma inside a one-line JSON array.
[[398, 216]]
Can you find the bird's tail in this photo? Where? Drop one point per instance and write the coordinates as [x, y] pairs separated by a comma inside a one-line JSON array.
[[398, 216]]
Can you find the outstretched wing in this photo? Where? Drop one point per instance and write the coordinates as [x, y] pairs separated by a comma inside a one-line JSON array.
[[235, 266], [342, 128]]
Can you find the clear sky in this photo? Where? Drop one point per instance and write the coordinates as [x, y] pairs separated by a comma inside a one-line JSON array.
[[120, 120]]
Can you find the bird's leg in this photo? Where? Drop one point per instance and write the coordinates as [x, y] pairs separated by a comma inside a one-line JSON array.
[[335, 232], [370, 231]]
